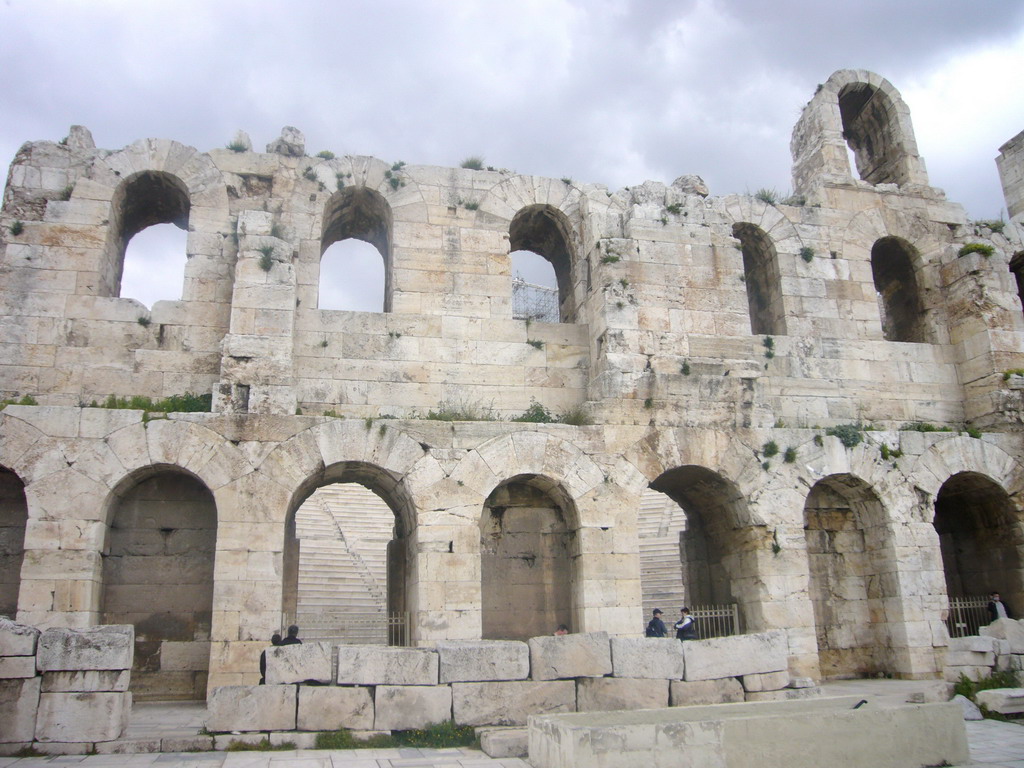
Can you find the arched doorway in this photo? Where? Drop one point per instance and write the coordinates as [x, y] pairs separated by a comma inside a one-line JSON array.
[[981, 537], [545, 231], [158, 576], [850, 558], [892, 268], [357, 221], [13, 517], [661, 527], [527, 550]]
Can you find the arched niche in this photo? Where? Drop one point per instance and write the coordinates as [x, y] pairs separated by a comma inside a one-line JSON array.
[[545, 231], [158, 576], [893, 270], [762, 280], [354, 213], [873, 133], [13, 518], [527, 550]]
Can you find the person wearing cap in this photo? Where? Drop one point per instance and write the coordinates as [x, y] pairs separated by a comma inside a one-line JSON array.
[[656, 627]]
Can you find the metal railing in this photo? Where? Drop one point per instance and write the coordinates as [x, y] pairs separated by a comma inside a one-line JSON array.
[[966, 615], [716, 620], [350, 628]]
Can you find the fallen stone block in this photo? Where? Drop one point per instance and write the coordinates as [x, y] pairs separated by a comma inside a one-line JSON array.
[[88, 680], [1005, 701], [512, 702], [19, 700], [932, 692], [329, 708], [378, 665], [736, 655], [725, 691], [82, 717], [482, 660], [104, 647], [504, 742], [17, 639], [17, 666], [953, 674], [1006, 629], [602, 694], [251, 708], [652, 658], [766, 681], [400, 707], [970, 709], [555, 657], [299, 663]]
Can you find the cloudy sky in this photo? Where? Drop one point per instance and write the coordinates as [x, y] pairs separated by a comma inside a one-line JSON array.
[[605, 91]]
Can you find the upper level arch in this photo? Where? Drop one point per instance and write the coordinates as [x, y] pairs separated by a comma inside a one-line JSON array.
[[545, 231], [358, 213], [893, 271], [762, 279]]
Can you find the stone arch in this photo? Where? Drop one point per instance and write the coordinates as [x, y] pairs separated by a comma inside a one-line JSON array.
[[544, 230], [892, 269], [850, 556], [13, 521], [158, 575], [361, 213], [762, 280]]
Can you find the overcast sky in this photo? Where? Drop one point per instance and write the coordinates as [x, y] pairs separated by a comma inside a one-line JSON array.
[[596, 90]]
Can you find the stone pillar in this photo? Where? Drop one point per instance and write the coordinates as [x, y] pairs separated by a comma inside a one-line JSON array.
[[1010, 163]]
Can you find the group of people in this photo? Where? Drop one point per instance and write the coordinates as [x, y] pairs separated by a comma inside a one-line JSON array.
[[686, 628], [275, 639]]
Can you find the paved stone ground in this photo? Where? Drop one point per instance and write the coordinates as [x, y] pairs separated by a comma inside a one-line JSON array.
[[993, 744]]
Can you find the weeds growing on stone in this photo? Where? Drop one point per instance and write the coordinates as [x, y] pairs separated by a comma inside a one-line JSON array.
[[16, 228], [769, 449], [25, 400], [766, 195], [263, 745], [237, 146], [982, 248], [807, 254], [473, 163], [190, 402], [849, 434], [326, 154]]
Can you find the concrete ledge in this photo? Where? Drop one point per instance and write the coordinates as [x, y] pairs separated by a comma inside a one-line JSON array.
[[796, 734]]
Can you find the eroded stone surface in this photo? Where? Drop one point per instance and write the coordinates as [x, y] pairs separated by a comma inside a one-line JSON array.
[[510, 703], [299, 663], [410, 706], [595, 694], [82, 717], [251, 708], [568, 656], [102, 647], [738, 655], [377, 665], [328, 708], [647, 657], [486, 660]]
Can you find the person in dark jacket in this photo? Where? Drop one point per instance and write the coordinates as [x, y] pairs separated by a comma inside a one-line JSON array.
[[275, 639], [996, 608], [293, 636], [686, 628], [656, 627]]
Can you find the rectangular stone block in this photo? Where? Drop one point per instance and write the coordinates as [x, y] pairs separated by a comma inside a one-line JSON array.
[[1005, 701], [567, 656], [736, 655], [88, 680], [17, 666], [969, 659], [299, 663], [251, 708], [17, 639], [82, 717], [512, 702], [952, 674], [602, 694], [400, 707], [482, 660], [786, 694], [724, 691], [504, 742], [1006, 629], [329, 708], [19, 700], [377, 665], [767, 681], [104, 647], [650, 658], [975, 643]]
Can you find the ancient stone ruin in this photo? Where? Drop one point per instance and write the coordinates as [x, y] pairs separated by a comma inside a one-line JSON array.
[[807, 408]]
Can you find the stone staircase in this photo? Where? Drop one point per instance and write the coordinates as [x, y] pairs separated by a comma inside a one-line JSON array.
[[660, 522]]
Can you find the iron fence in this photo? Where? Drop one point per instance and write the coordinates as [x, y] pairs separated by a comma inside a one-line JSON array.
[[716, 620], [966, 615], [350, 628]]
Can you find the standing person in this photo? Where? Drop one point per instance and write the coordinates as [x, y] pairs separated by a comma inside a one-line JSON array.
[[562, 630], [656, 627], [686, 628], [275, 639], [293, 636], [996, 609]]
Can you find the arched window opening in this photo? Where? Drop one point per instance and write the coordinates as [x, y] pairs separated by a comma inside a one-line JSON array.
[[849, 554], [355, 213], [1017, 268], [981, 538], [544, 230], [899, 298], [761, 276], [662, 528], [13, 517], [351, 277], [154, 262], [158, 576], [534, 288], [143, 201], [527, 545], [872, 133], [345, 559]]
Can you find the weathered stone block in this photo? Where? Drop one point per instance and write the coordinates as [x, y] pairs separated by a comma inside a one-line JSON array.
[[736, 655], [970, 659], [19, 700], [482, 661], [377, 665], [724, 691], [766, 681], [299, 663], [647, 657], [104, 647], [86, 681], [504, 742], [971, 710], [200, 743], [128, 747], [602, 694], [329, 708], [251, 708], [952, 674], [82, 717], [568, 656], [1005, 701], [399, 707], [17, 666], [17, 639], [975, 643], [1006, 629], [510, 703], [786, 694]]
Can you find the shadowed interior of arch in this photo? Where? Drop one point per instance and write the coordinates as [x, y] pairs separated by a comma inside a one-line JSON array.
[[544, 231], [13, 519], [892, 269]]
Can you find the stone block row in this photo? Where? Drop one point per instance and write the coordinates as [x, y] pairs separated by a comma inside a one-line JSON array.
[[998, 646]]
